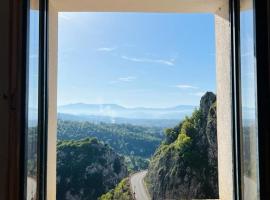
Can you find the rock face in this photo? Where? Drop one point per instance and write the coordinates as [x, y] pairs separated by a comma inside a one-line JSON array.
[[185, 165], [86, 169]]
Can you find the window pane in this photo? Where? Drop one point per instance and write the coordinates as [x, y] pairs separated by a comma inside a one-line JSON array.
[[249, 117], [32, 136]]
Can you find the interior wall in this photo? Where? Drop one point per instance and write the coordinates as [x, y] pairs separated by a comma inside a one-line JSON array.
[[224, 102], [12, 87], [4, 70], [52, 109], [178, 6]]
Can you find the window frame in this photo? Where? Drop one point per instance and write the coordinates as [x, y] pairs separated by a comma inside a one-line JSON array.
[[236, 98], [42, 102], [262, 48], [262, 61]]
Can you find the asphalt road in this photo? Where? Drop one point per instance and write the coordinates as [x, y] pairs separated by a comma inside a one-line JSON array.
[[137, 186]]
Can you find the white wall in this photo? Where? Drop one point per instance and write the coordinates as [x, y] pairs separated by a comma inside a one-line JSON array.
[[224, 102]]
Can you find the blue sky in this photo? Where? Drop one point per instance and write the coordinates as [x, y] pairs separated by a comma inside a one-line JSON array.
[[33, 59], [135, 59]]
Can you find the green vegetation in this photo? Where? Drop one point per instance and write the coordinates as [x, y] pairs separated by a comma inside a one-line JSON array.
[[32, 152], [87, 169], [121, 192], [136, 143], [136, 163], [185, 164]]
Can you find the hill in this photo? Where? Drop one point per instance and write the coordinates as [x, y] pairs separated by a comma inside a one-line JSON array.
[[136, 143], [86, 169], [185, 164], [125, 139]]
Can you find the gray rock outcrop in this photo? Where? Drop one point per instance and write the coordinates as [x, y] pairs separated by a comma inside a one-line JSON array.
[[186, 167]]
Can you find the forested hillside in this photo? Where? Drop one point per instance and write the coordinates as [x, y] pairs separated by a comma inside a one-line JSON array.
[[185, 165], [136, 143], [87, 168], [120, 192]]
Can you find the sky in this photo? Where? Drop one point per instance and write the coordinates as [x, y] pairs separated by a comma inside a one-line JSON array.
[[33, 59], [247, 60], [135, 59]]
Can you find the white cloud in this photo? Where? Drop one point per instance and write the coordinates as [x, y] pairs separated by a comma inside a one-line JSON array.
[[169, 62], [106, 49], [200, 94], [185, 86], [127, 79]]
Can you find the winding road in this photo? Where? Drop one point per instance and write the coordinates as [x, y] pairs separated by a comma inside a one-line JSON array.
[[138, 187]]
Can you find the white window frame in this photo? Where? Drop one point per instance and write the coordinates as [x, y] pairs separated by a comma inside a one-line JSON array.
[[219, 8]]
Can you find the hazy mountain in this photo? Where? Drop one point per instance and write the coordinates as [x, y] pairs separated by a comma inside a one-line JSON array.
[[113, 113], [163, 123], [117, 111]]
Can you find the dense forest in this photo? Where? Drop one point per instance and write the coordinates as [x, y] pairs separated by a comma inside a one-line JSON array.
[[87, 168], [136, 143]]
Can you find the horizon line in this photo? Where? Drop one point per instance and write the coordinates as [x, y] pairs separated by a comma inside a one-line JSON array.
[[130, 107]]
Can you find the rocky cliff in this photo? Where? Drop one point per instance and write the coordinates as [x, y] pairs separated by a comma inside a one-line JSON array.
[[185, 165], [86, 169]]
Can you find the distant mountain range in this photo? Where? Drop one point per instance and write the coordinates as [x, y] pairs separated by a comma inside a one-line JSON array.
[[113, 113], [117, 111], [163, 123]]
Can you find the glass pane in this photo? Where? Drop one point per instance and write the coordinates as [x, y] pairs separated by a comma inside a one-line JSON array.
[[249, 117], [32, 136]]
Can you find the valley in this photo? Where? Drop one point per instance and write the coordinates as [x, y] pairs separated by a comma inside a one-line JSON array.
[[174, 162]]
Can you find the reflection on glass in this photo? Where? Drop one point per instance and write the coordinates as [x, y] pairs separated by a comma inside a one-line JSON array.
[[32, 105], [249, 118]]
